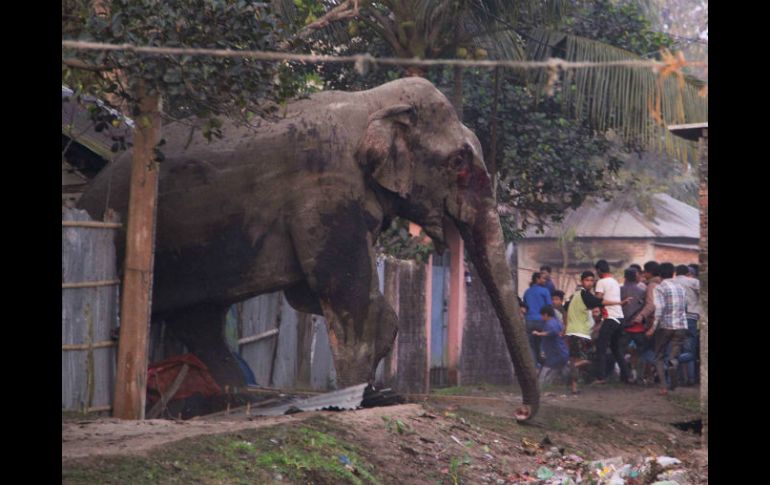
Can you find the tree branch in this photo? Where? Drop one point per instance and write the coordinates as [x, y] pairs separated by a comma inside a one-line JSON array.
[[387, 29], [342, 11], [345, 10]]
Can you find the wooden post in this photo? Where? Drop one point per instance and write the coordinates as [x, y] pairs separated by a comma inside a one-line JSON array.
[[703, 159], [135, 307]]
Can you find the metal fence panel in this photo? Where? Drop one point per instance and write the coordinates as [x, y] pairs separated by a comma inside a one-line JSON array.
[[88, 313]]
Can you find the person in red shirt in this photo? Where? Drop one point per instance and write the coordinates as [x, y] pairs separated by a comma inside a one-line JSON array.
[[633, 331], [646, 315]]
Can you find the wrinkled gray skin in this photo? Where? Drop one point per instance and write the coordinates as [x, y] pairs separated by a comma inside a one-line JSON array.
[[297, 206]]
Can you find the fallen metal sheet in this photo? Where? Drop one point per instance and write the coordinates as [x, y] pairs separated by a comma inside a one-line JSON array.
[[348, 398]]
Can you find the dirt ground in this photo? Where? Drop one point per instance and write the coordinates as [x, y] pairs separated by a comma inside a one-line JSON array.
[[443, 438]]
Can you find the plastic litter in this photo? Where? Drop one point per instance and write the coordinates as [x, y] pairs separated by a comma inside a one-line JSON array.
[[616, 480], [677, 475], [666, 461], [616, 461], [544, 473]]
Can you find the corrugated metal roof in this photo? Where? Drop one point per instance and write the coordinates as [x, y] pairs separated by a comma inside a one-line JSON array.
[[348, 398], [677, 246], [673, 219], [691, 131], [77, 124]]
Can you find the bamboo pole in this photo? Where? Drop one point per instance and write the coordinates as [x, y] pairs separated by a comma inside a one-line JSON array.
[[257, 337], [159, 406], [135, 308], [95, 345], [92, 224], [90, 284]]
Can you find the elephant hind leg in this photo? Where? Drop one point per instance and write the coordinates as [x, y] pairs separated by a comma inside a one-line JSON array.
[[202, 329]]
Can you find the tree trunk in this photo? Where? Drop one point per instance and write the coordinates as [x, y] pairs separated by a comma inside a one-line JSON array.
[[457, 91], [492, 158], [704, 287], [135, 307]]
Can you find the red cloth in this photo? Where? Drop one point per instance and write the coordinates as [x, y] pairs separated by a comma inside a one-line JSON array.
[[636, 328], [160, 376]]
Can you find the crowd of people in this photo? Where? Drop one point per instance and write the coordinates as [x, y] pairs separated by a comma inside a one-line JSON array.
[[645, 330]]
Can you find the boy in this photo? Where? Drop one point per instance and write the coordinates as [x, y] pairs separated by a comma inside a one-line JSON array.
[[556, 352], [580, 323], [536, 297], [558, 305]]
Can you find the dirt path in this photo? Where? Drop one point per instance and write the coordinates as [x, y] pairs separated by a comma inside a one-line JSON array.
[[436, 440], [629, 401], [114, 436]]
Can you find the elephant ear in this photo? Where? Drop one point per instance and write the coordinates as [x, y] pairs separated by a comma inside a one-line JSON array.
[[384, 150]]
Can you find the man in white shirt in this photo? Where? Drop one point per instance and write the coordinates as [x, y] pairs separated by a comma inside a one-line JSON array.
[[611, 332]]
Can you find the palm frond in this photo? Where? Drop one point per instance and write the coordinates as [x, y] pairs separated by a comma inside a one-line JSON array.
[[626, 100]]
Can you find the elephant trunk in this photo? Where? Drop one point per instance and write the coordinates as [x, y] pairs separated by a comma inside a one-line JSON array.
[[485, 243]]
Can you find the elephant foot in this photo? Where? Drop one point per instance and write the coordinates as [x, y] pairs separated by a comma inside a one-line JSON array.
[[523, 413], [354, 365]]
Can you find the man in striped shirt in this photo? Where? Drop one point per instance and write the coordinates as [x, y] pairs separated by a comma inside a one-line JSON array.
[[669, 326]]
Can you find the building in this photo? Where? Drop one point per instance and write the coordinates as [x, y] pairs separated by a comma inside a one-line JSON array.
[[86, 148], [607, 230]]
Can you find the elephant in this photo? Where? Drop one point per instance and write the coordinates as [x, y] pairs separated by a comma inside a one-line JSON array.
[[296, 205]]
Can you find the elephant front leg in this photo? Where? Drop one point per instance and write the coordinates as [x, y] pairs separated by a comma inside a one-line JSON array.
[[358, 344], [335, 251]]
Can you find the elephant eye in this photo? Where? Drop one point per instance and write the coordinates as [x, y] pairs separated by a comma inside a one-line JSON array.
[[460, 158]]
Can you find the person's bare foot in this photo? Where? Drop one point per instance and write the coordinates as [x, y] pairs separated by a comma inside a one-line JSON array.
[[662, 392]]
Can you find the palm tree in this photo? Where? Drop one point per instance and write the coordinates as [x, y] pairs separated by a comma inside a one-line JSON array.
[[626, 100]]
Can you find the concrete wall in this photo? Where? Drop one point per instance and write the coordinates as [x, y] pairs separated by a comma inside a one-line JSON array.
[[484, 357], [405, 290]]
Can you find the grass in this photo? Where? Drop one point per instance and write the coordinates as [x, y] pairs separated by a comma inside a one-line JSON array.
[[690, 403], [476, 390], [453, 391], [301, 452]]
